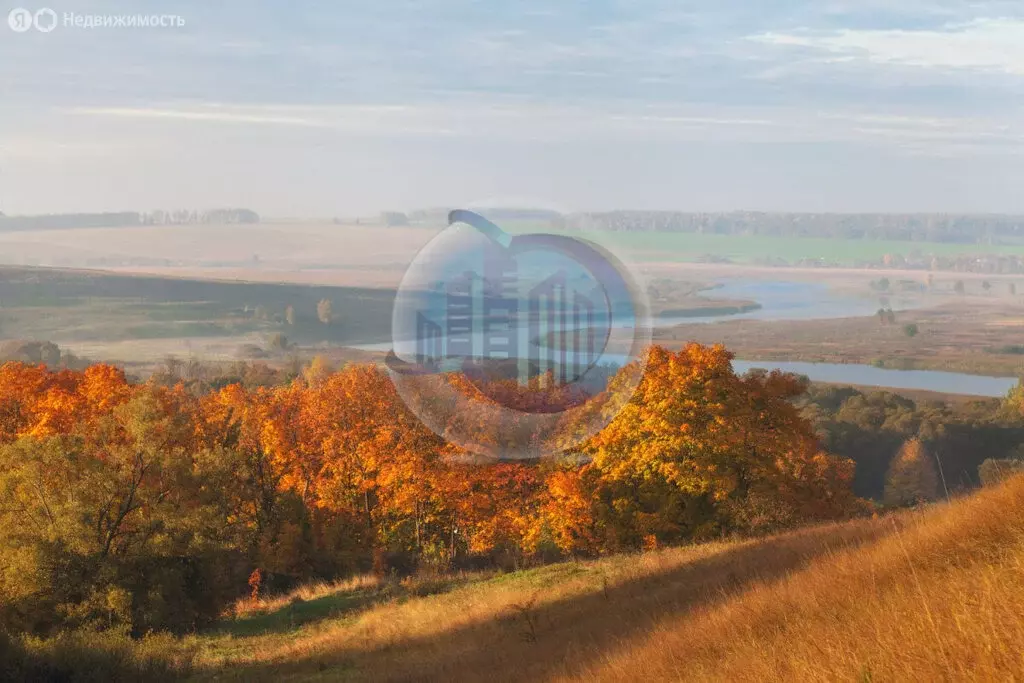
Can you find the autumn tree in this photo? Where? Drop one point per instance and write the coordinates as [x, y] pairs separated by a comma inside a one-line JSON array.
[[151, 505], [912, 477], [696, 443], [317, 371], [103, 518]]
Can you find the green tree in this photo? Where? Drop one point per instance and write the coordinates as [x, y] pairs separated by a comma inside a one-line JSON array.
[[959, 287], [324, 312], [278, 342], [110, 524], [910, 329], [995, 470]]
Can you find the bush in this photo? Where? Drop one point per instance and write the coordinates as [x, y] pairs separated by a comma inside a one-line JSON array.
[[1010, 349], [93, 656], [278, 342], [996, 470]]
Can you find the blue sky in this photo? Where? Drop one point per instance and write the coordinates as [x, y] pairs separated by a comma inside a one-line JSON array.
[[321, 109]]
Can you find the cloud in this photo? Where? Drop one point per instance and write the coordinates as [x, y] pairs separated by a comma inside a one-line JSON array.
[[985, 44], [469, 117], [531, 121], [209, 113]]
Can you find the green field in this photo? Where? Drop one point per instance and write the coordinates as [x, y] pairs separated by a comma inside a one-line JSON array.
[[675, 246]]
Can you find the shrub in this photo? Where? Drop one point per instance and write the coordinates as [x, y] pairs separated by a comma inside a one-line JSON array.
[[80, 656], [996, 470]]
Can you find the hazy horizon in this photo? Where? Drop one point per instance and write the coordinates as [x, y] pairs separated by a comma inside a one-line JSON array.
[[373, 214]]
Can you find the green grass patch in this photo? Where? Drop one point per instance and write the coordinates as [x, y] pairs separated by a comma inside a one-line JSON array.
[[678, 246]]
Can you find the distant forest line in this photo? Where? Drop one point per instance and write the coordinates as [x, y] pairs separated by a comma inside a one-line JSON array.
[[126, 219], [986, 229], [958, 229], [978, 229]]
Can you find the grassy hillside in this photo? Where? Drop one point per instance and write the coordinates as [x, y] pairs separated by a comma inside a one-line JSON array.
[[934, 595], [941, 598]]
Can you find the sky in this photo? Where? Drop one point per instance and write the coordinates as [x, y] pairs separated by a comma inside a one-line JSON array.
[[306, 109]]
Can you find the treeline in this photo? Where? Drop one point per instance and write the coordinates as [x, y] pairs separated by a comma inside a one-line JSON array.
[[186, 217], [960, 229], [70, 220], [126, 219], [873, 429], [152, 506], [434, 217]]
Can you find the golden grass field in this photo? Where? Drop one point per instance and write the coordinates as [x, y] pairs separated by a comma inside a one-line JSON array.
[[933, 595]]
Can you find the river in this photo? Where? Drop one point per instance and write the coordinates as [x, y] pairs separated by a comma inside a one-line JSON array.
[[781, 300], [869, 375]]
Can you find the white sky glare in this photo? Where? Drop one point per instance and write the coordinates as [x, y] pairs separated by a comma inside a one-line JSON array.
[[321, 109]]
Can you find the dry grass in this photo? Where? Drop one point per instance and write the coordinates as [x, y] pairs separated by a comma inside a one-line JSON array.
[[930, 596], [317, 590], [942, 599], [528, 624], [963, 337]]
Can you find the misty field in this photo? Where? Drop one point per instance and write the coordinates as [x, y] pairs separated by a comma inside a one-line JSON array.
[[310, 253], [140, 318], [376, 256]]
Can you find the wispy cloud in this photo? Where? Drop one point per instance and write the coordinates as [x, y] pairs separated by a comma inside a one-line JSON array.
[[473, 118], [208, 113], [986, 44]]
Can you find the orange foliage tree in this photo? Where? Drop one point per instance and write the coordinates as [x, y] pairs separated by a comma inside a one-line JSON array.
[[320, 476]]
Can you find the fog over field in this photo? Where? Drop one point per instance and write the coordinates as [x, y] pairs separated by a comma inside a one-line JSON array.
[[313, 252]]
